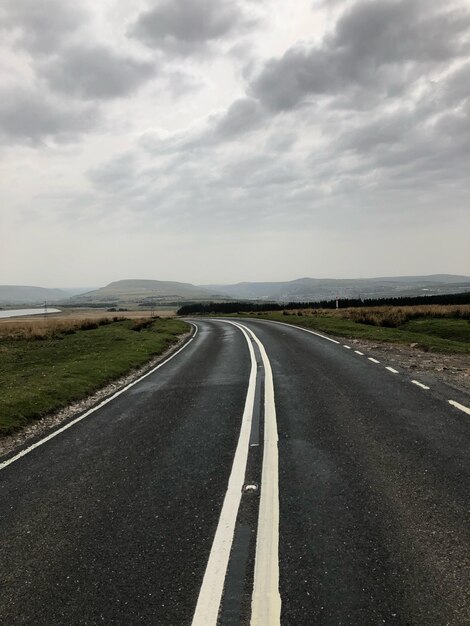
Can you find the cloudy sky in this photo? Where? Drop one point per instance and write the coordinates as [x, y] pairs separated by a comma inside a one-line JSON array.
[[227, 140]]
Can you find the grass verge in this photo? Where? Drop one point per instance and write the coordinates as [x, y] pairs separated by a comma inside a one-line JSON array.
[[437, 334], [44, 372]]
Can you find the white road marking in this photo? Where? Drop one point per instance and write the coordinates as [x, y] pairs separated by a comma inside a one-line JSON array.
[[266, 600], [95, 408], [415, 382], [462, 407], [347, 347], [306, 330], [373, 360], [390, 369], [360, 353], [210, 594]]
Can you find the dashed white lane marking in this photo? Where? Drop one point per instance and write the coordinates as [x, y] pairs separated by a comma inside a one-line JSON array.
[[210, 594], [416, 382], [390, 369], [95, 408], [462, 407], [373, 360], [358, 352], [347, 347]]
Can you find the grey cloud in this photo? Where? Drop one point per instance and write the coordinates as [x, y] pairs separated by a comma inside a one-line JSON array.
[[243, 115], [397, 31], [456, 86], [179, 83], [386, 130], [31, 116], [115, 174], [379, 48], [260, 172], [187, 26], [425, 145], [96, 72], [42, 25], [283, 83]]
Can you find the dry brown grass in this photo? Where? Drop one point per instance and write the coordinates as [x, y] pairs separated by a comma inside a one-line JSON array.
[[67, 321], [46, 327], [394, 316]]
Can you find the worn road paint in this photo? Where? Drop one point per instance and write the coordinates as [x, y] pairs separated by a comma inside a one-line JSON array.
[[415, 382], [462, 407]]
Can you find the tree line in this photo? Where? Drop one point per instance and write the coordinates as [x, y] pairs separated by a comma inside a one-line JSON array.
[[253, 307]]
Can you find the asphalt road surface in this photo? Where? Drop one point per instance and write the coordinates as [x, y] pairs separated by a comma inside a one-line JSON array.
[[263, 475]]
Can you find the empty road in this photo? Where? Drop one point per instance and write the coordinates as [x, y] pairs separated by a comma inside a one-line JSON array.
[[263, 475]]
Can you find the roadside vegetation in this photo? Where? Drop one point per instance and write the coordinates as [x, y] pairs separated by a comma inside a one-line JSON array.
[[47, 364], [435, 328]]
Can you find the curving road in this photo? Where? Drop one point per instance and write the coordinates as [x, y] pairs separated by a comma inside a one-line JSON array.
[[262, 475]]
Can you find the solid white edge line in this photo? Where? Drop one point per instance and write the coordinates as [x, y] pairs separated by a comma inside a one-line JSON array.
[[416, 382], [360, 353], [26, 451], [266, 599], [373, 360], [306, 330], [462, 407], [390, 369], [210, 594]]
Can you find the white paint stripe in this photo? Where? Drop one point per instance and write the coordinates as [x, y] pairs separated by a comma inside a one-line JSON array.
[[210, 594], [390, 369], [95, 408], [360, 353], [462, 407], [415, 382], [347, 347], [306, 330], [266, 600], [373, 360]]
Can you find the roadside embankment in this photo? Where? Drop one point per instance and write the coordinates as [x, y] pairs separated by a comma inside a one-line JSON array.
[[45, 369]]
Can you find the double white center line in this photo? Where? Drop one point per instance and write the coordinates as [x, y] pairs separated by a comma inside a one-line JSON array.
[[266, 601]]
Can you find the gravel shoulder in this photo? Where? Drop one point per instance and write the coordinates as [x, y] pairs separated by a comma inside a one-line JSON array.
[[451, 369]]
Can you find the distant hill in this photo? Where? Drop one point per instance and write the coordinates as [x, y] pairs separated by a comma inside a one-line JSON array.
[[145, 290], [149, 292], [21, 294], [310, 289]]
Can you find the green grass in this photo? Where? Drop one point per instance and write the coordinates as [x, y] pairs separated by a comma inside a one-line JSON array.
[[38, 376], [450, 329], [434, 334]]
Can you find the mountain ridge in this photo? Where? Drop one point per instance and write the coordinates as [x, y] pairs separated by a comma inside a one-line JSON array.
[[148, 291]]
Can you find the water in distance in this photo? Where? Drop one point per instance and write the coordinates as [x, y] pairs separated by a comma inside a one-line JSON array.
[[21, 312]]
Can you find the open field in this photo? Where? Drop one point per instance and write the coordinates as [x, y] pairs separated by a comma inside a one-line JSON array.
[[69, 320], [44, 367], [80, 313]]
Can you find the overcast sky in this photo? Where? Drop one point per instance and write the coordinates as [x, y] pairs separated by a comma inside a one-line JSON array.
[[225, 140]]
